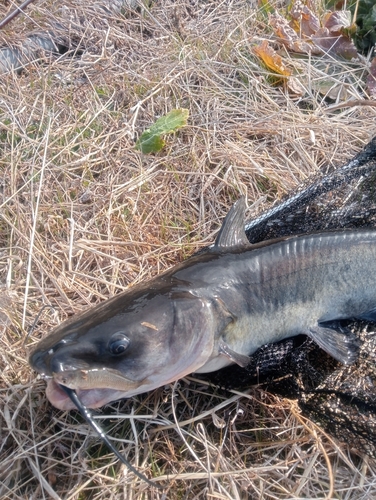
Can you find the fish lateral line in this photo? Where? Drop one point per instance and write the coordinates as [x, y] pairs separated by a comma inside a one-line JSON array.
[[87, 415]]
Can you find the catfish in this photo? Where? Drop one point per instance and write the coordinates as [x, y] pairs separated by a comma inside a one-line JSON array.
[[212, 310]]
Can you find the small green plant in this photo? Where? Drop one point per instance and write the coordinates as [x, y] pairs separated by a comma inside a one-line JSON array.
[[151, 140]]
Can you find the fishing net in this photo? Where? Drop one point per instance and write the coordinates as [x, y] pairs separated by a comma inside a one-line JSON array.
[[342, 399]]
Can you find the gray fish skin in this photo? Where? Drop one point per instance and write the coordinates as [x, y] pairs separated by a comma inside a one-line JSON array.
[[212, 310]]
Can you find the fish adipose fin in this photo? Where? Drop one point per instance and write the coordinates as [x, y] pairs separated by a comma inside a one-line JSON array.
[[232, 232], [240, 359], [343, 347]]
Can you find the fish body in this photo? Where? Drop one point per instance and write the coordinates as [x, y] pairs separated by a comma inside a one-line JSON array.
[[214, 309]]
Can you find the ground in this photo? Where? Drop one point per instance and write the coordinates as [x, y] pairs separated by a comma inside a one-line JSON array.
[[84, 215]]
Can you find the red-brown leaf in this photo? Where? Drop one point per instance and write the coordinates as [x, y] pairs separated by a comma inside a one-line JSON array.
[[371, 79]]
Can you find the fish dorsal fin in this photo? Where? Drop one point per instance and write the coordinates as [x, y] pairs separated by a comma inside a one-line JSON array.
[[232, 232]]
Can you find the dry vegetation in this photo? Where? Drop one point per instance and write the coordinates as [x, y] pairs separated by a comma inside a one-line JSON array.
[[83, 215]]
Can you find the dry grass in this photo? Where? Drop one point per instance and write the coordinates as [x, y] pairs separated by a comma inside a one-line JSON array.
[[83, 215]]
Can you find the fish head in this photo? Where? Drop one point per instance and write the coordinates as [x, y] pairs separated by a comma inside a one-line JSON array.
[[130, 344]]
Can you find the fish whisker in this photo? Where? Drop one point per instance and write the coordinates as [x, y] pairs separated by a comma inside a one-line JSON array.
[[85, 412]]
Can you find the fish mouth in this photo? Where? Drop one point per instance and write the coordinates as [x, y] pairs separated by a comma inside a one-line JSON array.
[[95, 387], [91, 398]]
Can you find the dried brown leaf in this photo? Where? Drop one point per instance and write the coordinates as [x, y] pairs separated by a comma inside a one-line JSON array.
[[303, 20], [304, 34], [336, 46], [336, 21], [295, 87], [271, 59], [289, 37], [371, 79]]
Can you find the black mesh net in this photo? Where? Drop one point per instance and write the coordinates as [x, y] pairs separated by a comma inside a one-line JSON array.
[[342, 399], [343, 198]]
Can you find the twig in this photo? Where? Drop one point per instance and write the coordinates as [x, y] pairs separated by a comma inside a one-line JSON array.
[[14, 14], [351, 103]]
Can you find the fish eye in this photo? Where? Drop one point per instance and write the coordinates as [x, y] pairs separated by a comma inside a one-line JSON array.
[[118, 343]]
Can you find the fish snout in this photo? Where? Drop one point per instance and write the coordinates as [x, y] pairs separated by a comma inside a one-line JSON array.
[[60, 358], [37, 360]]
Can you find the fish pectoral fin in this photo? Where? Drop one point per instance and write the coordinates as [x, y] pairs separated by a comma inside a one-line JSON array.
[[240, 359], [343, 347]]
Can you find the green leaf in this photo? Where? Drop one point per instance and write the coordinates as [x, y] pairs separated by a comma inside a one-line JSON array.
[[265, 7], [151, 140]]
